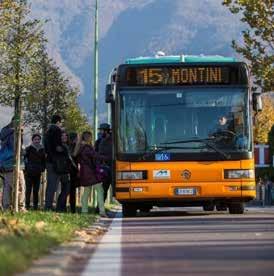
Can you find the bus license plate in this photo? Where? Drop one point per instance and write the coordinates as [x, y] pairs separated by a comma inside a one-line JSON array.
[[185, 191]]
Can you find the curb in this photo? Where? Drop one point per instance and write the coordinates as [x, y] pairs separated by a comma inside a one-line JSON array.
[[71, 257]]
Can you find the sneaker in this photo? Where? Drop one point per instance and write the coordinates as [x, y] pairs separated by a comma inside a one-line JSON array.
[[23, 210]]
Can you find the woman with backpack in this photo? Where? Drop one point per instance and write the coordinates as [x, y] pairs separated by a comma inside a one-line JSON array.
[[7, 155], [35, 163], [90, 173]]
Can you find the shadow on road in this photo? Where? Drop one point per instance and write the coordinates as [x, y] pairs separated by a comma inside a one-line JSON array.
[[172, 214]]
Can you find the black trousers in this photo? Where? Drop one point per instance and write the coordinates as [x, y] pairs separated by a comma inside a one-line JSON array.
[[72, 192], [106, 184], [32, 185], [61, 205]]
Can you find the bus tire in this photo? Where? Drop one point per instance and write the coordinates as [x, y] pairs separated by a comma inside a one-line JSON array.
[[129, 210], [209, 207], [236, 208]]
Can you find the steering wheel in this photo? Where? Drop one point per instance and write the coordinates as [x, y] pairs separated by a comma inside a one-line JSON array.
[[226, 134]]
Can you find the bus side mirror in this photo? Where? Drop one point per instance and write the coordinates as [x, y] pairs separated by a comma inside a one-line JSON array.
[[109, 93], [257, 102]]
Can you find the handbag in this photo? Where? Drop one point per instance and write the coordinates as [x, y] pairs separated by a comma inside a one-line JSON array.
[[101, 173]]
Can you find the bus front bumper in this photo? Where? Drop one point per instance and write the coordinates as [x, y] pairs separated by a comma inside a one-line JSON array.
[[186, 194]]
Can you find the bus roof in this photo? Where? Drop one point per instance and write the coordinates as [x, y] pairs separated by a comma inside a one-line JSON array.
[[180, 59]]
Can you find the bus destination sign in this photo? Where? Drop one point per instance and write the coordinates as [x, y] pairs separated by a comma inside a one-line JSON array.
[[171, 76]]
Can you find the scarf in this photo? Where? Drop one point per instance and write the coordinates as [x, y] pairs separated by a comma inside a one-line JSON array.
[[37, 147]]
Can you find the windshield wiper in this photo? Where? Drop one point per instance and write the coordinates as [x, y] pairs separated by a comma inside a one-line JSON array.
[[187, 141], [205, 141]]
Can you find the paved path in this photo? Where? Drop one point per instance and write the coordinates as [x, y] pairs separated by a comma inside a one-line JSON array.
[[187, 242]]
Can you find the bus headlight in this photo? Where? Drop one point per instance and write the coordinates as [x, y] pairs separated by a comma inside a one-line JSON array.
[[236, 174], [128, 175]]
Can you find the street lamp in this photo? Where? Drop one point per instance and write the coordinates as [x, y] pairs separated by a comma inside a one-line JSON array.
[[95, 80], [95, 85]]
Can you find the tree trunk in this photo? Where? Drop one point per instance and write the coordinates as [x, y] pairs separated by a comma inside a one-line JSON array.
[[45, 102], [17, 151]]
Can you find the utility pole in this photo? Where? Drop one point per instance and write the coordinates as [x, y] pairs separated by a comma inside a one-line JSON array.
[[95, 87]]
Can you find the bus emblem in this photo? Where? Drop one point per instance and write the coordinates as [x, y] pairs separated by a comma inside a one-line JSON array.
[[161, 174], [186, 174]]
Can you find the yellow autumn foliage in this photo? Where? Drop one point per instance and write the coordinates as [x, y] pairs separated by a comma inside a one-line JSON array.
[[264, 121]]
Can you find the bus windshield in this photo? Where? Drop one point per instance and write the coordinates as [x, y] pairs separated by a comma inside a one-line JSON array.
[[181, 119]]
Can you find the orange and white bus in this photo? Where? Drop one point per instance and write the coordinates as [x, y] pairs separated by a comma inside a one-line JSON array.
[[182, 129]]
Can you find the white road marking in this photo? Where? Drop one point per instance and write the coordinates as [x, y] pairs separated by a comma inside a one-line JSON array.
[[106, 260]]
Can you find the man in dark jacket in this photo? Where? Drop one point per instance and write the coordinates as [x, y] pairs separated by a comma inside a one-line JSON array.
[[54, 149], [103, 146]]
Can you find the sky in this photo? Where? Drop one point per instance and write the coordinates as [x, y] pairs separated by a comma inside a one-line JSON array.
[[129, 28]]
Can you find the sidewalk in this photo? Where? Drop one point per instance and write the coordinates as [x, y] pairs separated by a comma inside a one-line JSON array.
[[257, 203], [70, 258], [261, 209]]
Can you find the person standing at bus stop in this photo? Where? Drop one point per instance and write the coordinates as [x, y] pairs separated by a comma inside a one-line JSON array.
[[103, 146], [54, 152], [268, 189], [88, 158], [73, 136], [35, 164], [7, 155]]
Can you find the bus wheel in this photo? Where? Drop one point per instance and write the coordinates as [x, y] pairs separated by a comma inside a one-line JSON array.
[[236, 208], [209, 207], [129, 210]]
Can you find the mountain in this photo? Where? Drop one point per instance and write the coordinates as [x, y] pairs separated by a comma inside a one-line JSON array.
[[175, 27], [130, 28]]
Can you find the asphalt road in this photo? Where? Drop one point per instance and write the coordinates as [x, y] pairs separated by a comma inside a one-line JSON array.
[[187, 242]]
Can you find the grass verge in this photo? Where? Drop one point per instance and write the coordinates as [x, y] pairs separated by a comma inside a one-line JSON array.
[[26, 236]]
